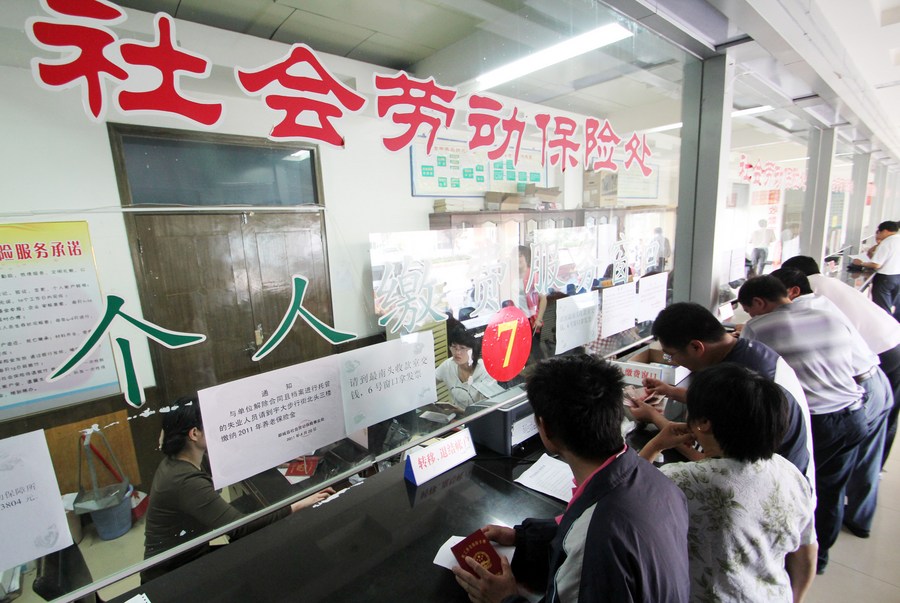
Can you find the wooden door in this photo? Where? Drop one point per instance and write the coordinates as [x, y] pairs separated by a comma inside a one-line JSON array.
[[223, 275], [276, 247]]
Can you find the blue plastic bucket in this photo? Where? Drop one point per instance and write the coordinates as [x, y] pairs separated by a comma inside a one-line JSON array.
[[114, 521]]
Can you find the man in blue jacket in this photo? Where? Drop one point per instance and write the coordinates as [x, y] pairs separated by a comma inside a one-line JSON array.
[[623, 536]]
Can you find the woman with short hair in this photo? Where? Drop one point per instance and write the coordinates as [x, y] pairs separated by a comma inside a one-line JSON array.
[[752, 533]]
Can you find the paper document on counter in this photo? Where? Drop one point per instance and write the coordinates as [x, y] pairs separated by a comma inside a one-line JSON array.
[[549, 476]]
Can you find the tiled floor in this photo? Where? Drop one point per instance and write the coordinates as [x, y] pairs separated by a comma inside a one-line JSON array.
[[867, 570], [859, 570]]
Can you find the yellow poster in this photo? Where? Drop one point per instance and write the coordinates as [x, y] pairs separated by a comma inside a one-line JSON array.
[[49, 304]]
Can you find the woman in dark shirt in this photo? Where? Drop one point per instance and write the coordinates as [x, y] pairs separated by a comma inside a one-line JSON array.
[[183, 502]]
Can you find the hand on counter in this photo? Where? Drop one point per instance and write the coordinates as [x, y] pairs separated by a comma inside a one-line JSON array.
[[500, 534], [312, 499], [485, 587]]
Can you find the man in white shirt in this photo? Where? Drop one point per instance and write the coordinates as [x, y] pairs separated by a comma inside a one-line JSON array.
[[886, 264], [818, 347], [879, 330], [862, 489], [760, 239]]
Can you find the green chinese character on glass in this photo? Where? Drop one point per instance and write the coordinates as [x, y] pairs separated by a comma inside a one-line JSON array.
[[170, 339], [294, 310]]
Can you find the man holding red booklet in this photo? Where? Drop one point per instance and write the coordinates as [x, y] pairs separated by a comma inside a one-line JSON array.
[[623, 536]]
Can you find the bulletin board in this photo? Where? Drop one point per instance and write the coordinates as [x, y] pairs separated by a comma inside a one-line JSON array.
[[452, 170]]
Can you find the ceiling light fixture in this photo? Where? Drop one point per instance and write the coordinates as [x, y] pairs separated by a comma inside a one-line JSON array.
[[573, 47], [752, 111], [739, 113]]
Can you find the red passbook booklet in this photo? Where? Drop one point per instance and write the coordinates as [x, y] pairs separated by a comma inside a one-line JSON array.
[[478, 547], [303, 467]]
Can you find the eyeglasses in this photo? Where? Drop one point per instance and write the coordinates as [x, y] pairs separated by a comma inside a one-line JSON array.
[[459, 348]]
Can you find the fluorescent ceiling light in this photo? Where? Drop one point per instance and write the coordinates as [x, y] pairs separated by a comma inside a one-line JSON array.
[[664, 128], [741, 112], [573, 47], [301, 155], [752, 111]]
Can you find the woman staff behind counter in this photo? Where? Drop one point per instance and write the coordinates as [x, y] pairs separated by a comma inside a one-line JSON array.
[[463, 372], [183, 502]]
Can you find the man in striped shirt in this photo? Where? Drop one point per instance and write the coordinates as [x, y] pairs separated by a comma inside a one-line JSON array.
[[818, 347]]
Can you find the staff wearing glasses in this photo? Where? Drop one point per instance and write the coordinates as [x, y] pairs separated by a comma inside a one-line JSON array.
[[463, 372]]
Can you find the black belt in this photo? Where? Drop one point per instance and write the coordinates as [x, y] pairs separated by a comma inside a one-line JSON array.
[[863, 376]]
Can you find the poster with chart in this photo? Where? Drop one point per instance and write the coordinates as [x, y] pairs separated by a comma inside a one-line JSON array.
[[258, 422], [55, 302], [453, 170], [382, 381], [32, 517]]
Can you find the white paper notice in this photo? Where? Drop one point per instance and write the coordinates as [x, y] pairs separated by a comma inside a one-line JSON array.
[[651, 295], [32, 517], [385, 380], [576, 320], [549, 476], [618, 309], [262, 421]]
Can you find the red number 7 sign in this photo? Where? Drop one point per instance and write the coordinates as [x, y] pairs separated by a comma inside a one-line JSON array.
[[506, 344]]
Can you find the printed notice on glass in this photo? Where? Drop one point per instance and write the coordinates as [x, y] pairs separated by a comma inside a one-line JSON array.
[[576, 320], [32, 517], [651, 295], [259, 422], [385, 380], [55, 301], [618, 309]]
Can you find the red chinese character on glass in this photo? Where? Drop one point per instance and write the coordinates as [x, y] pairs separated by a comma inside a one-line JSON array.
[[562, 147], [85, 63], [483, 117], [600, 141], [164, 55], [292, 92], [419, 103], [637, 151]]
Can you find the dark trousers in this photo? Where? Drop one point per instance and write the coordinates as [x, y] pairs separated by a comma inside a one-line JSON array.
[[890, 364], [886, 293], [862, 488], [836, 438]]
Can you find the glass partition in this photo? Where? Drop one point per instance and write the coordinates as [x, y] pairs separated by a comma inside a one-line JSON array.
[[768, 165]]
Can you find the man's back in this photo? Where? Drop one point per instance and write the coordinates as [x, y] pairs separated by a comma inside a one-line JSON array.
[[878, 329], [623, 539], [817, 346]]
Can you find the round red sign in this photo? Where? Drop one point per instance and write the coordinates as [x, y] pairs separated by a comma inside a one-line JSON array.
[[506, 344]]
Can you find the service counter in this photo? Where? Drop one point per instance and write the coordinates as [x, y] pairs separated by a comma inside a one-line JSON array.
[[374, 542]]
